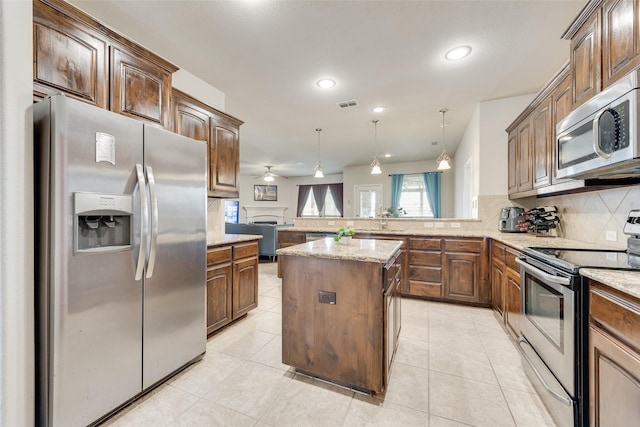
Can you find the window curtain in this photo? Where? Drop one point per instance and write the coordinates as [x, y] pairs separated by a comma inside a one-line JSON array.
[[319, 194], [432, 185], [303, 195], [337, 193], [396, 189]]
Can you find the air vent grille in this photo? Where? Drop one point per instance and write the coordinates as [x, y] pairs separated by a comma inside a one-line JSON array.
[[347, 104]]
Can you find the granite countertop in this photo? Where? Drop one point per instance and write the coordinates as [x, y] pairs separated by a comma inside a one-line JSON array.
[[226, 239], [366, 250], [624, 281]]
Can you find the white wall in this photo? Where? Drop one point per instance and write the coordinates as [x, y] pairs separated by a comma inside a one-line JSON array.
[[199, 89], [485, 142], [16, 212], [360, 175]]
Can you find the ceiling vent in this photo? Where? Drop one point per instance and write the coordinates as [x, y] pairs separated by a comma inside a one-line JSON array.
[[347, 104]]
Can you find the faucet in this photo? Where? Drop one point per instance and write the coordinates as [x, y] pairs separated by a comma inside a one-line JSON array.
[[384, 222]]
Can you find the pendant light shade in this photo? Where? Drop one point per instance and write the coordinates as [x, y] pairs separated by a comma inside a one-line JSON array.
[[444, 161], [375, 165], [318, 169]]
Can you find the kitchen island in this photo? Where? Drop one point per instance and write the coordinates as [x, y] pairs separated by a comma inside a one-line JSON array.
[[341, 310]]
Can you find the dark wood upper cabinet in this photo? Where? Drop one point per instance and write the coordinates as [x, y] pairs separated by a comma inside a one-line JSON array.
[[76, 55], [139, 88], [619, 39], [68, 58], [199, 121], [542, 144], [585, 59], [224, 156]]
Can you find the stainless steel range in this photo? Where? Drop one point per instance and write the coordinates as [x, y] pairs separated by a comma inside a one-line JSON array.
[[555, 317]]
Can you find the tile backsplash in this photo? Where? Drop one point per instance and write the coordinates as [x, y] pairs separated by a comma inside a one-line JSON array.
[[587, 217], [215, 216]]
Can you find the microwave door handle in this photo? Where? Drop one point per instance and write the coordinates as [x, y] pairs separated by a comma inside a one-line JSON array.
[[548, 277], [553, 393], [144, 215], [596, 134]]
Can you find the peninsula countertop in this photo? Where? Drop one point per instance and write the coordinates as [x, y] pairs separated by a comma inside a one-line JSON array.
[[366, 250], [214, 240]]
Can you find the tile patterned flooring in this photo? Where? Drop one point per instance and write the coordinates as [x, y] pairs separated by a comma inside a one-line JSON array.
[[455, 366]]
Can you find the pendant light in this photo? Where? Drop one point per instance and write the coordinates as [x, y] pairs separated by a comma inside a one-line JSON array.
[[318, 173], [375, 165], [444, 161]]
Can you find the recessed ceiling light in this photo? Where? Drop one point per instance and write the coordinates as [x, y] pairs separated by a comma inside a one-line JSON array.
[[458, 53], [379, 109], [326, 83], [387, 155]]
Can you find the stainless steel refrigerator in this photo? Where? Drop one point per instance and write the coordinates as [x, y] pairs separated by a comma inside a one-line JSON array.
[[121, 258]]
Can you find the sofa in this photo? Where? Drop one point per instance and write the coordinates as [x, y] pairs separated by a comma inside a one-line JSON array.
[[268, 244]]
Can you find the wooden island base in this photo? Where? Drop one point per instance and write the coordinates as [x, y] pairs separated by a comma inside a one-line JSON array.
[[341, 317]]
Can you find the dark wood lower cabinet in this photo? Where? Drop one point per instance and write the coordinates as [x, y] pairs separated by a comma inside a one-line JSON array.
[[512, 302], [232, 283], [462, 277], [614, 357]]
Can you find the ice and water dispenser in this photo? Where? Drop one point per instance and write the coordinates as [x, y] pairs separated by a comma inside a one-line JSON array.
[[102, 222]]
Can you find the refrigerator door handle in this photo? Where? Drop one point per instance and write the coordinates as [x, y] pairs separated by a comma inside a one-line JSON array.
[[144, 214], [154, 222]]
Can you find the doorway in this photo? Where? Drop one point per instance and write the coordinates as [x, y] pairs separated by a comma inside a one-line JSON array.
[[368, 200]]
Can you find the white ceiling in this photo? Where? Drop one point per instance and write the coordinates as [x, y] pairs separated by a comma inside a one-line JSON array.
[[267, 55]]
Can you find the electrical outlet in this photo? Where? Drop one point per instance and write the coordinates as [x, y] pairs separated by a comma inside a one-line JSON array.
[[428, 225], [349, 223], [455, 225], [332, 223], [439, 224], [611, 236]]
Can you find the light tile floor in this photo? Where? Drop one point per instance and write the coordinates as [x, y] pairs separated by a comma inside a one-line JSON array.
[[455, 366]]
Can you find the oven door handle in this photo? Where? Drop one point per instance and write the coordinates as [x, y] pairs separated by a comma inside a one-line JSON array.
[[561, 398], [549, 277]]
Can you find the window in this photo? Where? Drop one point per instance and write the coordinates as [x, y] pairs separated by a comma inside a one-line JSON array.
[[414, 197], [329, 209]]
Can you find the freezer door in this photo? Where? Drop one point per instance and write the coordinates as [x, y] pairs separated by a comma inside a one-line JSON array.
[[174, 329], [89, 343]]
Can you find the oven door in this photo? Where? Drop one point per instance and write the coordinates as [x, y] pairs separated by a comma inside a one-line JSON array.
[[548, 321]]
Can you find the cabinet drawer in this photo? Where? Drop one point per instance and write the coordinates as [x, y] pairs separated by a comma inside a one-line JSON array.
[[425, 274], [510, 259], [498, 251], [219, 255], [417, 243], [463, 245], [619, 314], [292, 237], [430, 258], [244, 251]]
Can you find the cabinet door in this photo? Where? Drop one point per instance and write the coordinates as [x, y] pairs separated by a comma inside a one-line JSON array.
[[68, 58], [523, 157], [189, 119], [585, 60], [512, 301], [512, 148], [614, 381], [224, 158], [561, 108], [542, 144], [619, 39], [245, 286], [497, 287], [462, 277], [139, 89], [219, 279]]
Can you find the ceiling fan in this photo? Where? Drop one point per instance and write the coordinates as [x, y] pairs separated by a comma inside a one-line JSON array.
[[269, 176]]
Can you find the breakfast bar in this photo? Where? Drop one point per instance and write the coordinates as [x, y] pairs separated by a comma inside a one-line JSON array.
[[341, 310]]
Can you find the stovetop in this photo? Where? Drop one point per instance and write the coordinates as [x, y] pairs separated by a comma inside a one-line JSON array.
[[571, 260]]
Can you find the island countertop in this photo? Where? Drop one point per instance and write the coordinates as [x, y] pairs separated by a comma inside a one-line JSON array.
[[367, 250]]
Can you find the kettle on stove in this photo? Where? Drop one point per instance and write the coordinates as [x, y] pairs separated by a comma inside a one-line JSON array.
[[510, 217]]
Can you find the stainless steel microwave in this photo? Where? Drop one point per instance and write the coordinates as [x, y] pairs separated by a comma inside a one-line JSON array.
[[600, 138]]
